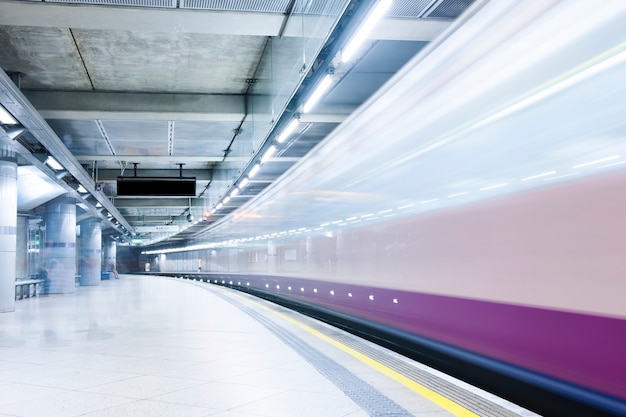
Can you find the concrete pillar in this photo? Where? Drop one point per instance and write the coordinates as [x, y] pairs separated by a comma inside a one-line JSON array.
[[21, 247], [60, 256], [90, 252], [109, 260], [8, 227]]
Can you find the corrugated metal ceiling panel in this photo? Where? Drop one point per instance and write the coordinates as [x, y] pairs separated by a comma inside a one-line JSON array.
[[408, 8], [269, 6], [449, 9], [315, 7], [141, 3]]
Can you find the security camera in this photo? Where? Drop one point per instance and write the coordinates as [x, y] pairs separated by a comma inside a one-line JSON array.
[[189, 218]]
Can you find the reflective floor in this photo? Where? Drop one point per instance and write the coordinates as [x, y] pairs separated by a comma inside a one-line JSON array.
[[151, 346]]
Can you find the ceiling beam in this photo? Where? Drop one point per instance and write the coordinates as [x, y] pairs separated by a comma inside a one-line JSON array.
[[165, 20], [160, 203], [176, 159], [137, 106], [149, 19], [112, 174], [91, 105], [177, 21]]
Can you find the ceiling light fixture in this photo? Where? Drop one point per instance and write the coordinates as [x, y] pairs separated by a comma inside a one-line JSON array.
[[254, 170], [6, 118], [288, 130], [53, 163], [360, 36], [234, 192], [244, 182], [81, 189], [268, 153], [318, 93], [226, 200]]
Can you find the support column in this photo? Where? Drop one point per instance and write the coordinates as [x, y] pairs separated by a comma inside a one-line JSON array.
[[21, 247], [109, 260], [90, 252], [8, 227], [60, 257]]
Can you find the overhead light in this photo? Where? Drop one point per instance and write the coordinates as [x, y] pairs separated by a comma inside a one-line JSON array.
[[6, 118], [219, 206], [213, 210], [98, 205], [234, 192], [53, 163], [268, 153], [226, 200], [318, 93], [288, 130], [371, 20], [254, 170], [244, 182], [81, 189]]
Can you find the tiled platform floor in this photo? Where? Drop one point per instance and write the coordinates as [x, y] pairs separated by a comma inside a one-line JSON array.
[[152, 346]]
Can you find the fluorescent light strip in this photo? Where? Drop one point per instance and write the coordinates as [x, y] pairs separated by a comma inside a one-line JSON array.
[[365, 29], [288, 130], [268, 153], [432, 200], [6, 118], [234, 192], [53, 163], [610, 158], [458, 194], [226, 200], [544, 174], [318, 93], [254, 171], [244, 182], [81, 189]]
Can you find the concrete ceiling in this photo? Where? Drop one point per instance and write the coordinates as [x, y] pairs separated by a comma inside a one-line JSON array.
[[114, 87]]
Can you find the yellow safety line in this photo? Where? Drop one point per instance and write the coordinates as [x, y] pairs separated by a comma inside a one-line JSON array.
[[425, 392]]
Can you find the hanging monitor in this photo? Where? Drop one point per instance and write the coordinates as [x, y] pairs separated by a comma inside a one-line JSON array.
[[156, 186]]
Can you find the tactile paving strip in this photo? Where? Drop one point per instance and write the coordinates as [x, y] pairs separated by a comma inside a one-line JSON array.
[[362, 393], [467, 399]]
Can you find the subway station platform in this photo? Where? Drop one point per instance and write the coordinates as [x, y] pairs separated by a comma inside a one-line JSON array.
[[156, 346]]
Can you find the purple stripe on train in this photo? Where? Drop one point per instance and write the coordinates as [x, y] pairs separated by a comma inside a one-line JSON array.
[[584, 349]]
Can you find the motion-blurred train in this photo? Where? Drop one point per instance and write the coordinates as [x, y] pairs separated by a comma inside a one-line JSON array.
[[471, 214]]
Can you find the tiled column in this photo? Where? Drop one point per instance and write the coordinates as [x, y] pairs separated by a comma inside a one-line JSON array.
[[8, 228], [60, 257], [90, 252]]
